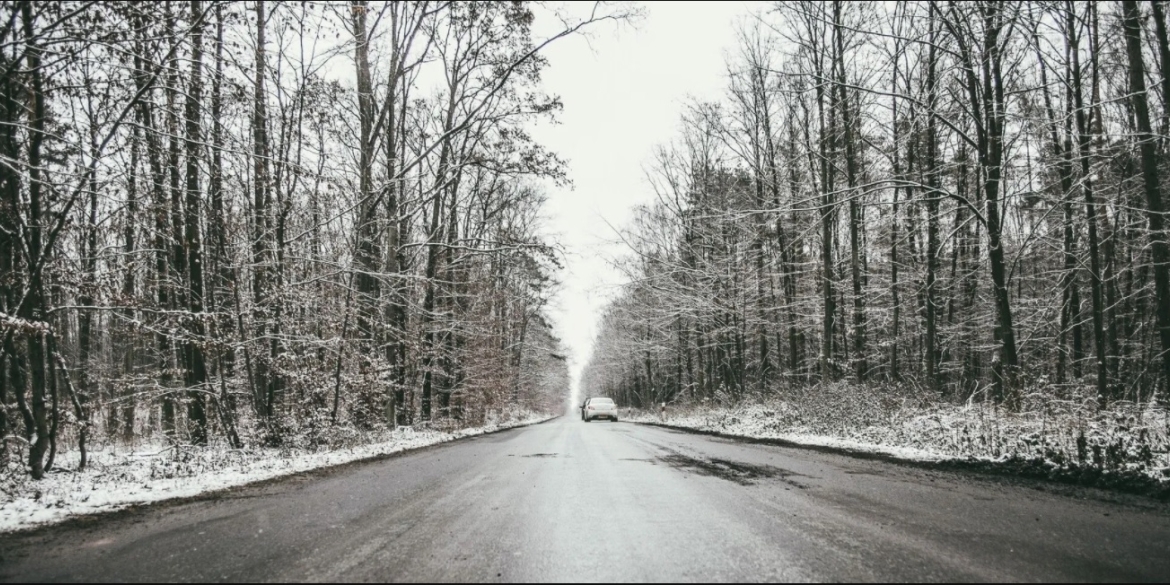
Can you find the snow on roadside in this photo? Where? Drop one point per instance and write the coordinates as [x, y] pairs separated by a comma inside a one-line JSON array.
[[1124, 440], [117, 479], [716, 422]]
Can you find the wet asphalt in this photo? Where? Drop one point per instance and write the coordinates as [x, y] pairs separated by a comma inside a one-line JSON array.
[[574, 501]]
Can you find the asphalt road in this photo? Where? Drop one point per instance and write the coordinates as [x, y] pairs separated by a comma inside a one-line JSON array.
[[570, 501]]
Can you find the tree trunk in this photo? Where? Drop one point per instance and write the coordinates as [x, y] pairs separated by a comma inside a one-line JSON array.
[[827, 146], [195, 361], [930, 169], [368, 255], [848, 133], [1084, 145], [33, 309], [264, 387], [177, 273]]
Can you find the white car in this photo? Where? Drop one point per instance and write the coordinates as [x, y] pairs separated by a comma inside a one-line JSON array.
[[599, 408]]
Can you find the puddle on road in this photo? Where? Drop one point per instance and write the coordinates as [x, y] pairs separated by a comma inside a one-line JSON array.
[[542, 455], [734, 471]]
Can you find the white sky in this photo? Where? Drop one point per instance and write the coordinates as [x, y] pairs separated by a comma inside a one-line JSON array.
[[623, 91]]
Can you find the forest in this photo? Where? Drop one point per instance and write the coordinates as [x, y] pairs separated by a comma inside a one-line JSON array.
[[257, 223], [959, 201]]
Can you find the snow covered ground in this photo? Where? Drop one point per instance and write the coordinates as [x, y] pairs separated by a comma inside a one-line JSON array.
[[117, 478], [1124, 439]]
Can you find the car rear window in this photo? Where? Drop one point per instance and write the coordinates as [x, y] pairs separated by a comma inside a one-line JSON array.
[[601, 401]]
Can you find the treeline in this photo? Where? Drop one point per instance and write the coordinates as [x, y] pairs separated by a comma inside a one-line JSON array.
[[258, 221], [962, 197]]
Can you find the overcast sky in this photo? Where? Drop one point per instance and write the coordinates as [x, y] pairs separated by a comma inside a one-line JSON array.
[[623, 92]]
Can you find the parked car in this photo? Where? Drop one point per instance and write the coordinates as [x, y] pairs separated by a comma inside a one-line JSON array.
[[599, 407]]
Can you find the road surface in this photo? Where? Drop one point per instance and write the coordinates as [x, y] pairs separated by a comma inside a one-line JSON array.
[[571, 501]]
